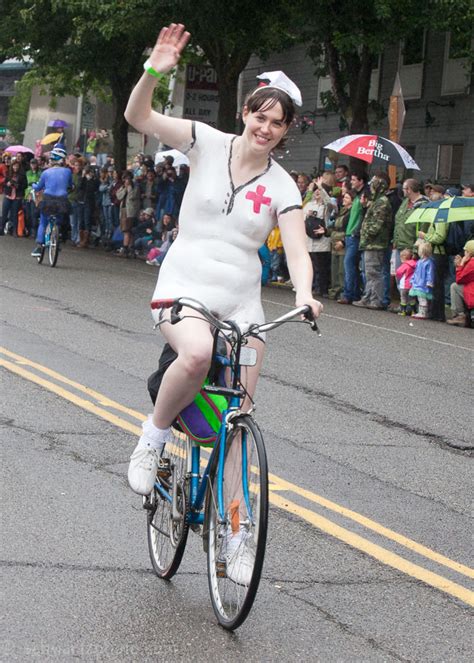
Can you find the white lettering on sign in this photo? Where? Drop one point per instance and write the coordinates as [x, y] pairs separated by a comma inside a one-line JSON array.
[[375, 148], [197, 74], [201, 97]]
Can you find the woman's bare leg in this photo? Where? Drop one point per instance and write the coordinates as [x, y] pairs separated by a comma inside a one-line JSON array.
[[192, 340]]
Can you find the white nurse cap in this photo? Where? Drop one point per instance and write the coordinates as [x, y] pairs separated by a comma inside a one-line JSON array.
[[281, 81]]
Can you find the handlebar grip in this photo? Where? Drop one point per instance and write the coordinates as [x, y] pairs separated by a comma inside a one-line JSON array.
[[309, 315], [162, 303], [174, 304]]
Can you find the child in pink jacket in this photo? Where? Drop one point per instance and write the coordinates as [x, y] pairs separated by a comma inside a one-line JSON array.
[[404, 275]]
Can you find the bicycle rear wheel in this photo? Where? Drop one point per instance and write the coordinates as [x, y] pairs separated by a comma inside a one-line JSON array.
[[236, 542], [168, 532], [53, 248]]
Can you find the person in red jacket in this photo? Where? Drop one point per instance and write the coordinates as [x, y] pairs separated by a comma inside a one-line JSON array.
[[462, 292]]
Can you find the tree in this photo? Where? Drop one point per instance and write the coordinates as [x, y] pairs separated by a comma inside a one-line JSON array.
[[229, 33], [346, 37], [82, 45], [18, 108]]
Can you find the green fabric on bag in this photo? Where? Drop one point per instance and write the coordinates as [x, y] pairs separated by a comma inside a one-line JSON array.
[[207, 412]]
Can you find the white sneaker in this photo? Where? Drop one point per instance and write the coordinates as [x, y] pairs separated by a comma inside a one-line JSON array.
[[142, 469], [240, 559]]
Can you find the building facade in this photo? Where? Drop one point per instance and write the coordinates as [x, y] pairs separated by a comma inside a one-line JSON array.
[[11, 71], [438, 91]]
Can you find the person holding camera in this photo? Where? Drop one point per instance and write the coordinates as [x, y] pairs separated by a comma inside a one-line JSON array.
[[317, 215]]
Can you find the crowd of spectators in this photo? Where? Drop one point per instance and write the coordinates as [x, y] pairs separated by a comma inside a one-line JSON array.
[[128, 213], [357, 236], [364, 253]]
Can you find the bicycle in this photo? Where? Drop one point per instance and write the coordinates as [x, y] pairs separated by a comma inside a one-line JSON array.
[[227, 500], [51, 242]]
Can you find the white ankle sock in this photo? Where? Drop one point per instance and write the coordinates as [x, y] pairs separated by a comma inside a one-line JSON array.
[[153, 437]]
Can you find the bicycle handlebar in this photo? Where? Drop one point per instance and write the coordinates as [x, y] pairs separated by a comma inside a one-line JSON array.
[[177, 304]]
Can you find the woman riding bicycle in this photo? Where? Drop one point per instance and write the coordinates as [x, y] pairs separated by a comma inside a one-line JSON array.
[[236, 194], [56, 181]]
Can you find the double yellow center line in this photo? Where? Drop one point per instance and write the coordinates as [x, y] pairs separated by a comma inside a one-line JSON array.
[[280, 489]]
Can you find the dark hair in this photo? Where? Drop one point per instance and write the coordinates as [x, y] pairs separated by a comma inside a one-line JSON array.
[[360, 176], [351, 193], [341, 165], [264, 98], [382, 175], [414, 185], [171, 224]]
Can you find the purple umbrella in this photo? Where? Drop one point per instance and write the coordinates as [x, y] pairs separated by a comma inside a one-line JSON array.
[[14, 149], [57, 123]]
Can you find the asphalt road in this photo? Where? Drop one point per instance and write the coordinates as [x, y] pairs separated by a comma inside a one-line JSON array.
[[369, 436]]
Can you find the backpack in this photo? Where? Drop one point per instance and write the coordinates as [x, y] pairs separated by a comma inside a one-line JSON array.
[[459, 232], [201, 419]]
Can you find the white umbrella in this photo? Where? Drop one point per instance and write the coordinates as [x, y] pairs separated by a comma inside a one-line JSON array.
[[180, 159]]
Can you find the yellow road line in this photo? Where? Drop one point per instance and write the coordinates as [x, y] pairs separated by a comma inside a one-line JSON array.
[[69, 396], [277, 484], [381, 554], [100, 398], [374, 526]]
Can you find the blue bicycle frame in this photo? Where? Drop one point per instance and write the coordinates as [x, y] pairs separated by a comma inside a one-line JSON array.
[[198, 483]]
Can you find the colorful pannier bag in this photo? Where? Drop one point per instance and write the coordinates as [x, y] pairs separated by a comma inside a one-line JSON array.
[[201, 419]]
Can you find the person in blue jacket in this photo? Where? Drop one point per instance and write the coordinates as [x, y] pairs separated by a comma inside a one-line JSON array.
[[423, 280], [55, 182]]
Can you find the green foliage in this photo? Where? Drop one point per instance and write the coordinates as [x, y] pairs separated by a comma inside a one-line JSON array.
[[18, 108], [79, 46], [346, 37]]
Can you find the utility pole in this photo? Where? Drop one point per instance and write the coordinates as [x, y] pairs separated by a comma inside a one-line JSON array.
[[396, 118]]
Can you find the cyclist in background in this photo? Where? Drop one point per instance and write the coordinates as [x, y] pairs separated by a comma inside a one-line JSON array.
[[55, 182]]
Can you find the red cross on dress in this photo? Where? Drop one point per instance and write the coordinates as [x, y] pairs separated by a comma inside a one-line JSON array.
[[258, 198]]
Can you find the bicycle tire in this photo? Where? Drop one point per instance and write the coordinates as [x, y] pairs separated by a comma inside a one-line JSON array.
[[40, 257], [167, 540], [232, 598], [53, 248]]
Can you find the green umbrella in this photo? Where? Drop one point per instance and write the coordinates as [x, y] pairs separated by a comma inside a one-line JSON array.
[[448, 210]]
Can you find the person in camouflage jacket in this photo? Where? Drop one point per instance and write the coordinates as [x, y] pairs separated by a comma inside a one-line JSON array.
[[374, 240]]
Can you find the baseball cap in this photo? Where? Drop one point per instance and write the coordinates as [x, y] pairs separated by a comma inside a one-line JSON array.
[[149, 210]]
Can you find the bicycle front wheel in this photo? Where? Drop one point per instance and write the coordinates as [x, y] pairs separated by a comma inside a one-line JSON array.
[[237, 523], [53, 249], [40, 256], [167, 525]]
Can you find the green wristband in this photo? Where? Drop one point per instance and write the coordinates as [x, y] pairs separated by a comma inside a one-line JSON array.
[[149, 70]]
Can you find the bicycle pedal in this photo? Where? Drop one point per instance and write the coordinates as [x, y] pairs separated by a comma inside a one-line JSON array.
[[164, 468]]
